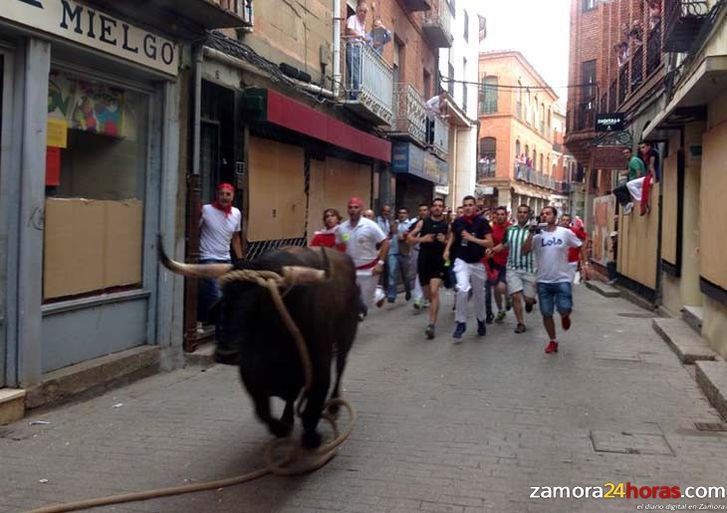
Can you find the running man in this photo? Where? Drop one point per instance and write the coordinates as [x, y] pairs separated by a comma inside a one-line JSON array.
[[554, 280], [497, 260], [467, 241], [431, 234]]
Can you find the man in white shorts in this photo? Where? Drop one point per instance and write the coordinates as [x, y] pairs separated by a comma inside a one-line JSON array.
[[520, 268], [368, 246]]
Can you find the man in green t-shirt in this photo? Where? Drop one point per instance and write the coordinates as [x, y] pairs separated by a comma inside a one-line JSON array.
[[631, 191], [637, 169]]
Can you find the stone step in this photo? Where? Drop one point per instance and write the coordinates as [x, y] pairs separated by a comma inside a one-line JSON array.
[[603, 288], [12, 405], [203, 356], [692, 315], [712, 378], [687, 345]]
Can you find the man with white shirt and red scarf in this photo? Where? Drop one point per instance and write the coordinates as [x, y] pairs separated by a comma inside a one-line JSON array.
[[367, 245], [220, 226]]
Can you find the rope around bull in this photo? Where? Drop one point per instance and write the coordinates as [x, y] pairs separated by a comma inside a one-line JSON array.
[[280, 467]]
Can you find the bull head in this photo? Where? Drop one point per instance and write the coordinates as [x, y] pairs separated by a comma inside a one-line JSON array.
[[210, 271]]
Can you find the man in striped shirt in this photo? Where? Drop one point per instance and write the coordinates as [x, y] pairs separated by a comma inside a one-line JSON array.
[[520, 267]]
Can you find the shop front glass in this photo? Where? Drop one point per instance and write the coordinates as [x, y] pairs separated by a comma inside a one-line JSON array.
[[96, 161]]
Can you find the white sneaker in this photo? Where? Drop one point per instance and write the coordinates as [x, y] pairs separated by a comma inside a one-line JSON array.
[[628, 208], [379, 296]]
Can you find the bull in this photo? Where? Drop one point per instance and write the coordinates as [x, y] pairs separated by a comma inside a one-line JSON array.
[[323, 301]]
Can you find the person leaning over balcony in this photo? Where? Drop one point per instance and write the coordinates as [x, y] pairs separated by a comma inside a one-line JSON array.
[[379, 36], [436, 106], [355, 37]]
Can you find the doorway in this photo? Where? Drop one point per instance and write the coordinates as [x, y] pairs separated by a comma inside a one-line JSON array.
[[5, 118]]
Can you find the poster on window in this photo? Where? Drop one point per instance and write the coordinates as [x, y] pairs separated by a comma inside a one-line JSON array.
[[88, 106], [604, 208]]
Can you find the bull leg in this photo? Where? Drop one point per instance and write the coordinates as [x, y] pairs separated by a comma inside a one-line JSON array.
[[340, 366], [277, 427], [314, 406], [288, 416]]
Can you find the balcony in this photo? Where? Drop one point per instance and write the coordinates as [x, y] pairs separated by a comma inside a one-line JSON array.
[[418, 5], [682, 22], [369, 83], [437, 25], [486, 170], [410, 114], [441, 137], [585, 116]]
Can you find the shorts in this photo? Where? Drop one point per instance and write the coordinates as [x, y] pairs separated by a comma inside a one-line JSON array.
[[430, 267], [519, 280], [555, 295], [497, 275]]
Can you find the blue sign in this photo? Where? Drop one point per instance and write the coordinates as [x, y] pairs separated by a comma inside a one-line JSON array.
[[411, 159]]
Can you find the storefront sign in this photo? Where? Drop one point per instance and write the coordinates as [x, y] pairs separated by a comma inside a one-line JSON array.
[[90, 27], [610, 122], [409, 158]]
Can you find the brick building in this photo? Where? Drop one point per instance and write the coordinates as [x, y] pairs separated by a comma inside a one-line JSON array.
[[518, 152]]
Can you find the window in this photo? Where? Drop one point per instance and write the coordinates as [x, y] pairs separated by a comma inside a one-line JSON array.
[[542, 169], [588, 76], [95, 186], [517, 149], [466, 26], [464, 85], [452, 8], [450, 84], [487, 165], [488, 96], [589, 5]]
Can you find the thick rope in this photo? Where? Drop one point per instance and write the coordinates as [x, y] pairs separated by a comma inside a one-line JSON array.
[[311, 460]]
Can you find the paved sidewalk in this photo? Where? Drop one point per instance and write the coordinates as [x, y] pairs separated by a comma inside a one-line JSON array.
[[442, 428]]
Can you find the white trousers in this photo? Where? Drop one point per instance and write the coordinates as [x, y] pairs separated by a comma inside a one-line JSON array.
[[469, 276], [417, 292], [366, 281], [635, 187]]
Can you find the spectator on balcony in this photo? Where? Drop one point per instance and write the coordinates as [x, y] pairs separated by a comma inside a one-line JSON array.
[[654, 14], [622, 53], [379, 36], [355, 37], [436, 106], [635, 38]]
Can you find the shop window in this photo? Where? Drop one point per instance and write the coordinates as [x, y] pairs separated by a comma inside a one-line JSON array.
[[95, 182]]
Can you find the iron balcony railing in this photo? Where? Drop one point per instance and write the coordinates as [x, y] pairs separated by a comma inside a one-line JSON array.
[[441, 137], [523, 172], [369, 80], [486, 170], [653, 49], [437, 25], [637, 67], [410, 113], [682, 22]]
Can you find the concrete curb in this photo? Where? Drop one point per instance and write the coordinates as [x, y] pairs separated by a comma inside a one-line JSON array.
[[687, 345], [203, 356], [602, 288], [712, 379], [94, 375]]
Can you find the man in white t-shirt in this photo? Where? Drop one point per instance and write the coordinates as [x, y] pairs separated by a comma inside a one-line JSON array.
[[367, 245], [219, 227], [355, 40], [554, 276], [436, 106]]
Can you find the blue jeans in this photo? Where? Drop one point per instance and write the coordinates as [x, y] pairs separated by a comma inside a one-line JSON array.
[[399, 263], [209, 291], [353, 69], [555, 295]]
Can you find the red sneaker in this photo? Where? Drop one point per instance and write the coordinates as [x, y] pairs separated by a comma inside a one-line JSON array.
[[552, 347], [565, 322]]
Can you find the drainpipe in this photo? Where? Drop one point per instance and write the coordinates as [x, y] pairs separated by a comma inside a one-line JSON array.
[[336, 47], [197, 112]]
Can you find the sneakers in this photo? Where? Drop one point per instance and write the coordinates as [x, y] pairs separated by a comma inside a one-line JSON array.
[[500, 316], [429, 332], [529, 306], [489, 318], [417, 304], [552, 347], [520, 328], [481, 328], [458, 332], [407, 295], [628, 208], [565, 322]]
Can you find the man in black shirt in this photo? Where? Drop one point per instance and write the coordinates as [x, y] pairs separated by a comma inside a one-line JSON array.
[[469, 237], [431, 234]]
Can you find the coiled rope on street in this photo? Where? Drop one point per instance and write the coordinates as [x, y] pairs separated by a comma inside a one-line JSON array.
[[309, 461]]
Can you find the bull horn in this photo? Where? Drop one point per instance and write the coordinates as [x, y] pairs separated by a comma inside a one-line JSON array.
[[298, 275], [210, 271]]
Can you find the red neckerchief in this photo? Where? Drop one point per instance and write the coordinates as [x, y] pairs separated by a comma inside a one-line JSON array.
[[227, 210], [470, 219]]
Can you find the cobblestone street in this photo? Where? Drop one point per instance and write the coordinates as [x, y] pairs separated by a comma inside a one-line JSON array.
[[441, 428]]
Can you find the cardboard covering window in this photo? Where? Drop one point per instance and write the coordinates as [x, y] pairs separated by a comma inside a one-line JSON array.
[[91, 245]]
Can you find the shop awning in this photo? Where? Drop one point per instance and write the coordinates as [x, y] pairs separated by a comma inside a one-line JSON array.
[[272, 107]]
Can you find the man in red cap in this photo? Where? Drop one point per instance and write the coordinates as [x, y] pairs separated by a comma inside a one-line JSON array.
[[219, 227], [367, 245]]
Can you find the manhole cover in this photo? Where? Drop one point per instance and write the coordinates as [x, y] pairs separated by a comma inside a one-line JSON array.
[[638, 315], [625, 442], [711, 426]]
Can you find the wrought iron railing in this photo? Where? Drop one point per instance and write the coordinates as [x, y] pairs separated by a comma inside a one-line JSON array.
[[369, 80], [523, 172], [682, 21], [440, 17], [653, 50], [486, 170], [623, 83], [637, 68], [410, 112]]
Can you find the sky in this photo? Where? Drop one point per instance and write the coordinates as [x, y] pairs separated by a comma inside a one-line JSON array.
[[537, 28]]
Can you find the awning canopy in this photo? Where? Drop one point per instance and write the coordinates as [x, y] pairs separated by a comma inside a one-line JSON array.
[[270, 106]]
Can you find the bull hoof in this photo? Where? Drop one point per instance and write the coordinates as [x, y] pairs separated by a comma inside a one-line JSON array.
[[311, 440], [280, 429], [333, 409]]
